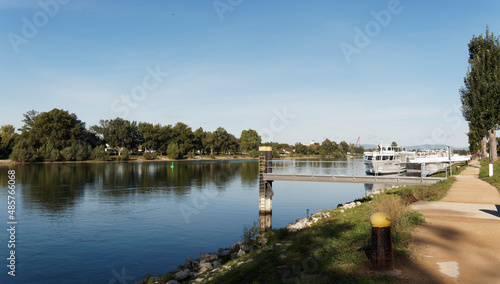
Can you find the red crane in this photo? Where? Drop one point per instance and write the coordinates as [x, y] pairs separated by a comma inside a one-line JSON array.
[[357, 142]]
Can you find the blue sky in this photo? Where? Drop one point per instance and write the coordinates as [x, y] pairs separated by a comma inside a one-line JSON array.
[[279, 67]]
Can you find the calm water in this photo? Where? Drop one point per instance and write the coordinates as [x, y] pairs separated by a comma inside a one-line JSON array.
[[114, 223]]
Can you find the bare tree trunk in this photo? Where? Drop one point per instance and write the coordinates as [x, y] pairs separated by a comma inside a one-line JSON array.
[[493, 144], [483, 147]]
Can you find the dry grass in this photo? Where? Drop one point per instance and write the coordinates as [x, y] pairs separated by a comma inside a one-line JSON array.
[[392, 205]]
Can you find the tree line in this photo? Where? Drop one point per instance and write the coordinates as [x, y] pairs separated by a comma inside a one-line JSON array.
[[480, 94], [58, 135]]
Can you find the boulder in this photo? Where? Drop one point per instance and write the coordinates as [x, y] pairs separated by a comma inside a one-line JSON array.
[[216, 264], [241, 253], [172, 282], [206, 265], [181, 275]]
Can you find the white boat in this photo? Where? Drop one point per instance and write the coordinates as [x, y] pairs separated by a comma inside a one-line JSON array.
[[387, 160], [433, 161]]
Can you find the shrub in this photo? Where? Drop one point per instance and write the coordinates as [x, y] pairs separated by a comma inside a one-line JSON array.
[[149, 156], [250, 232], [125, 155], [99, 154], [191, 154], [173, 151], [69, 153], [23, 152], [254, 153]]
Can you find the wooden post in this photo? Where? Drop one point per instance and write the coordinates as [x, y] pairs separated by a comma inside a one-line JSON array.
[[381, 248]]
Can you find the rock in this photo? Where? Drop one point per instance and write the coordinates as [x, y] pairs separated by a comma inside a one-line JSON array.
[[181, 275], [278, 244], [263, 241], [225, 252], [172, 282], [240, 253], [207, 265], [282, 256], [234, 255], [216, 264], [202, 270]]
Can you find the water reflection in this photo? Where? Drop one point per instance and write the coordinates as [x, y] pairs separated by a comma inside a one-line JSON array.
[[58, 187]]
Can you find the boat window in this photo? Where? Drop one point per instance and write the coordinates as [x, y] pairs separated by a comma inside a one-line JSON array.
[[378, 158], [391, 158], [368, 158], [385, 158]]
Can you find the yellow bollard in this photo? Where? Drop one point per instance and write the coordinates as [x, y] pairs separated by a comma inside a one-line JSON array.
[[382, 257]]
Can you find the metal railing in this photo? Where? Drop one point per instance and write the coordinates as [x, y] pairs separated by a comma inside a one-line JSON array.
[[337, 168]]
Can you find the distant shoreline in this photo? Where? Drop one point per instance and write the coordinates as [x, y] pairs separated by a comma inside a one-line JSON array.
[[164, 159]]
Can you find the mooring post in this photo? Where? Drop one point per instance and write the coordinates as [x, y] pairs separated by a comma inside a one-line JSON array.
[[265, 187], [382, 257]]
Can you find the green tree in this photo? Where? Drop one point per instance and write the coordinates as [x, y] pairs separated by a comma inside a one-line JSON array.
[[183, 136], [174, 151], [394, 144], [56, 127], [209, 142], [328, 147], [480, 94], [118, 133], [221, 140], [8, 136], [249, 140], [198, 137], [343, 147]]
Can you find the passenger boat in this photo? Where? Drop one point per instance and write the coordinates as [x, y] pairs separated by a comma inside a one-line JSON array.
[[387, 160]]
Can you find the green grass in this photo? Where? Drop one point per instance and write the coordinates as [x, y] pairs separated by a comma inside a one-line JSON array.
[[335, 249], [484, 173]]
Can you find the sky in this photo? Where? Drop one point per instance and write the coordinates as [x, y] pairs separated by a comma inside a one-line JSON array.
[[294, 71]]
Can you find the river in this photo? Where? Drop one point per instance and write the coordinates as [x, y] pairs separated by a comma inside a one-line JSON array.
[[116, 222]]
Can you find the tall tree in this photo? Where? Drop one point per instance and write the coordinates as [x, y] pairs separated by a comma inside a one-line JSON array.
[[249, 140], [182, 135], [480, 94], [118, 133]]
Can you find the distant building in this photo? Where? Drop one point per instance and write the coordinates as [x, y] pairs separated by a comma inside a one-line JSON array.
[[312, 142], [285, 151]]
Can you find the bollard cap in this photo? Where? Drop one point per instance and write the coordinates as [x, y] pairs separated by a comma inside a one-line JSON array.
[[380, 220], [265, 148]]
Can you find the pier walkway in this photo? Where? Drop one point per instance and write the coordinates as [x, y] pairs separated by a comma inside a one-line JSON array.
[[460, 243]]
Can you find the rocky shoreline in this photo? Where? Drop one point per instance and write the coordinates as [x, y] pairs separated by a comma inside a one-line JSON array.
[[198, 270]]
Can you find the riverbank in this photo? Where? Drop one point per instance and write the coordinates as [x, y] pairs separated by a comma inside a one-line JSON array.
[[328, 246]]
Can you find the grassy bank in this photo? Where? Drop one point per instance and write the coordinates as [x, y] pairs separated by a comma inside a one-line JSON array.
[[484, 173], [334, 249]]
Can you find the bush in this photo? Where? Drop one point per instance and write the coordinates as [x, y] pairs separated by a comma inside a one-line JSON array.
[[99, 154], [173, 151], [125, 155], [69, 153], [83, 151], [149, 156], [250, 232], [191, 154], [23, 152], [254, 153]]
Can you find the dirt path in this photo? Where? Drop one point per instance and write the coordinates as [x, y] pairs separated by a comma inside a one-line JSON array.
[[461, 241]]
